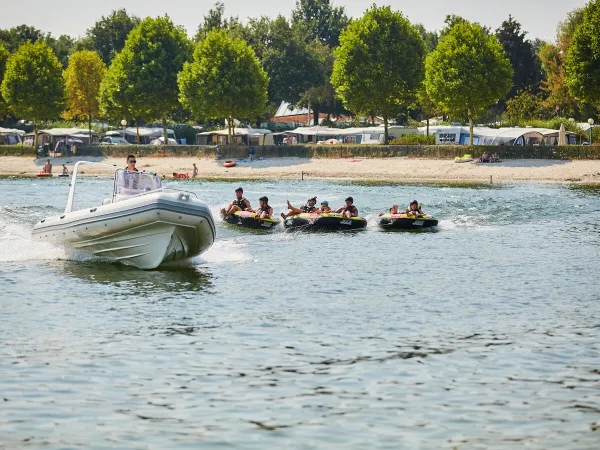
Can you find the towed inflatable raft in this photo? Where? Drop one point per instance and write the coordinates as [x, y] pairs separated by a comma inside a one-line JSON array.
[[404, 222], [330, 221], [247, 219]]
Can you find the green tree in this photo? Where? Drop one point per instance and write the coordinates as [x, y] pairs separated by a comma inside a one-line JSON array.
[[430, 38], [62, 47], [224, 80], [17, 36], [467, 72], [320, 20], [292, 66], [379, 64], [523, 107], [155, 53], [553, 60], [118, 97], [3, 58], [108, 35], [33, 85], [583, 57], [82, 81]]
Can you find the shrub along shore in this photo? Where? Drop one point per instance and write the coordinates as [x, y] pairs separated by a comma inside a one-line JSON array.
[[326, 151]]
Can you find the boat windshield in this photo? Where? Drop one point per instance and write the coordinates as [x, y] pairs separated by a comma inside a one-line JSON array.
[[134, 183]]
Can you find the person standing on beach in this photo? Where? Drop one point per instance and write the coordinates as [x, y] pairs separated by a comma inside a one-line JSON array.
[[48, 167], [195, 171]]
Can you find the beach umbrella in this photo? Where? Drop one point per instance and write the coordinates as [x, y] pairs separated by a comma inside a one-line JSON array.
[[562, 135]]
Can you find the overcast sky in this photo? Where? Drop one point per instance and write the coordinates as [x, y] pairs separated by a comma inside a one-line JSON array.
[[538, 17]]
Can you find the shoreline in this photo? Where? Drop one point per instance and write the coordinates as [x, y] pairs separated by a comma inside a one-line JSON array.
[[398, 170]]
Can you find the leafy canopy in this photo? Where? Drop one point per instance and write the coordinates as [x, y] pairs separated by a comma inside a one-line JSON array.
[[224, 80], [319, 20], [108, 35], [142, 80], [82, 81], [583, 57], [3, 58], [33, 85], [379, 63], [468, 71]]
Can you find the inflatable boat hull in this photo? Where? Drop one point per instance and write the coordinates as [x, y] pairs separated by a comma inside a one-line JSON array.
[[247, 219], [325, 222], [403, 222]]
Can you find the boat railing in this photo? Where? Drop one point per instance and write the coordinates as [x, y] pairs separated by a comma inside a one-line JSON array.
[[127, 184]]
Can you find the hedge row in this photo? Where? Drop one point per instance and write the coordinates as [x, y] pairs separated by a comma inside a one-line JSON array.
[[325, 151]]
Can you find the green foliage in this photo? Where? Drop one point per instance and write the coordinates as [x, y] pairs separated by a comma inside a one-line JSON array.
[[118, 96], [108, 35], [82, 81], [17, 36], [3, 58], [379, 63], [215, 20], [293, 66], [142, 80], [527, 71], [468, 71], [522, 107], [33, 85], [431, 38], [224, 79], [319, 20], [583, 57], [414, 139]]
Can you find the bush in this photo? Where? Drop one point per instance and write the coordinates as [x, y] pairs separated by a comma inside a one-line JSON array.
[[414, 139]]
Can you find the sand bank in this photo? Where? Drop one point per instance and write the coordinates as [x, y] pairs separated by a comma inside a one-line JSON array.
[[390, 169]]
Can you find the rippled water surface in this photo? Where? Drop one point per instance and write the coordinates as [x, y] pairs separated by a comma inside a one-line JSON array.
[[483, 334]]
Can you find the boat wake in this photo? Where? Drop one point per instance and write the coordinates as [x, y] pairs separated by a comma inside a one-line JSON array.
[[16, 244]]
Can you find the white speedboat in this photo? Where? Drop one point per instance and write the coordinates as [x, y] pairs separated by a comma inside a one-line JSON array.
[[142, 224]]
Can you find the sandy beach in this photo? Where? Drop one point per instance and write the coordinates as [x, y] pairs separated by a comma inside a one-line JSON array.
[[390, 169]]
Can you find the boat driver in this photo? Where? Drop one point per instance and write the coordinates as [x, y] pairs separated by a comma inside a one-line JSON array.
[[349, 210], [309, 207], [240, 203], [264, 211], [130, 174]]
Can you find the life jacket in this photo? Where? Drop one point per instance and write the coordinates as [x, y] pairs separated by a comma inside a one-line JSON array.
[[241, 203], [308, 209], [352, 209], [262, 209]]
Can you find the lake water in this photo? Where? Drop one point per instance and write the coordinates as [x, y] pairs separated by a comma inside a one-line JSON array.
[[483, 334]]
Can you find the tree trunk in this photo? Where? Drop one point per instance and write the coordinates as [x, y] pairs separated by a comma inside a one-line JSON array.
[[316, 116], [35, 134], [470, 128], [427, 126], [229, 122], [385, 125], [164, 124], [137, 130], [90, 128]]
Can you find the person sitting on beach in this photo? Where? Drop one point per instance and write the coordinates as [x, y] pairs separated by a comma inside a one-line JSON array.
[[264, 211], [349, 210], [309, 207], [47, 167], [494, 158], [485, 158], [324, 209], [195, 171], [238, 204], [65, 170]]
